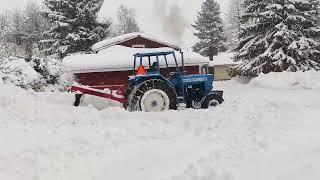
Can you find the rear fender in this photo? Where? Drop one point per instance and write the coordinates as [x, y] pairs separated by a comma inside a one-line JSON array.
[[140, 79]]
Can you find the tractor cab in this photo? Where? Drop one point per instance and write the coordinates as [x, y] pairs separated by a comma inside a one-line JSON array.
[[156, 63], [159, 65], [160, 83]]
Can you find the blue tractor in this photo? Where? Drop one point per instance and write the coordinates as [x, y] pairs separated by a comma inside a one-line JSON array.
[[156, 89]]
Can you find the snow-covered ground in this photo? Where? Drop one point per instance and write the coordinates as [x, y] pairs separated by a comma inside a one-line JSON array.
[[265, 130]]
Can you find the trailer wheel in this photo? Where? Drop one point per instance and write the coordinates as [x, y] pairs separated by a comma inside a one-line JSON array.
[[152, 95], [211, 100]]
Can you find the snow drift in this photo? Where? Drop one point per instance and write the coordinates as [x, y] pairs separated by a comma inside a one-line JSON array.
[[39, 74], [18, 72], [288, 80], [273, 131]]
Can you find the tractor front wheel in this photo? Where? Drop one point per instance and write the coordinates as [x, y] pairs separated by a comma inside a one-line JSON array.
[[211, 100], [196, 104]]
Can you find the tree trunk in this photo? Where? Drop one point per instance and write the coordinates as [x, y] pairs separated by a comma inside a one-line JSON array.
[[213, 51]]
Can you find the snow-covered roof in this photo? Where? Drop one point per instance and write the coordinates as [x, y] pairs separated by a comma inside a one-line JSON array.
[[126, 37], [223, 59], [119, 58]]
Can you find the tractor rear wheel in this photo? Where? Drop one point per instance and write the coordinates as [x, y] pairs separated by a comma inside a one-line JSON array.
[[154, 100], [153, 95], [211, 100]]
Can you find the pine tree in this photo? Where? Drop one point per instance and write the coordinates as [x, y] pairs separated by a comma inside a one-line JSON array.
[[209, 29], [279, 35], [316, 6], [76, 26]]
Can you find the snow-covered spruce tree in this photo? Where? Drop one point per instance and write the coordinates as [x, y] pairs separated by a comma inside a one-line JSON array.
[[51, 70], [209, 30], [279, 35], [76, 26], [316, 6]]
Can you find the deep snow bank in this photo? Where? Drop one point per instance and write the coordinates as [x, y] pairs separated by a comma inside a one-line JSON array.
[[288, 80], [19, 72], [39, 74], [43, 137]]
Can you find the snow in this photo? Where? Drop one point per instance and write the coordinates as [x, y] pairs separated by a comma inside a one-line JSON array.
[[118, 58], [260, 132], [18, 72], [122, 38], [223, 59], [288, 80]]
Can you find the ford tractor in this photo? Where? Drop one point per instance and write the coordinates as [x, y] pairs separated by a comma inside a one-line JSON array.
[[155, 86]]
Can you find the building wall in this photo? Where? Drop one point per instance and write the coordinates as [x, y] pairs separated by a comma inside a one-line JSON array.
[[119, 77], [142, 41], [220, 72]]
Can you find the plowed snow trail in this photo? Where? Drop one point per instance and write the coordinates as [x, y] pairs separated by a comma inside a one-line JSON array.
[[44, 138]]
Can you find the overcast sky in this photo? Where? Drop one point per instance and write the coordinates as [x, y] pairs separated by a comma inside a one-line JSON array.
[[150, 14]]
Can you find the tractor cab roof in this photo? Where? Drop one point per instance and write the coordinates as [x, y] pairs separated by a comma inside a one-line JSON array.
[[164, 53]]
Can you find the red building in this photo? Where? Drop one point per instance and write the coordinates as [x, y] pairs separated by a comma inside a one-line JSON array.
[[113, 62], [133, 40]]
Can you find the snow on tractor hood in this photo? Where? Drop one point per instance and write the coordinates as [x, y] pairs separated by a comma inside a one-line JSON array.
[[120, 58]]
